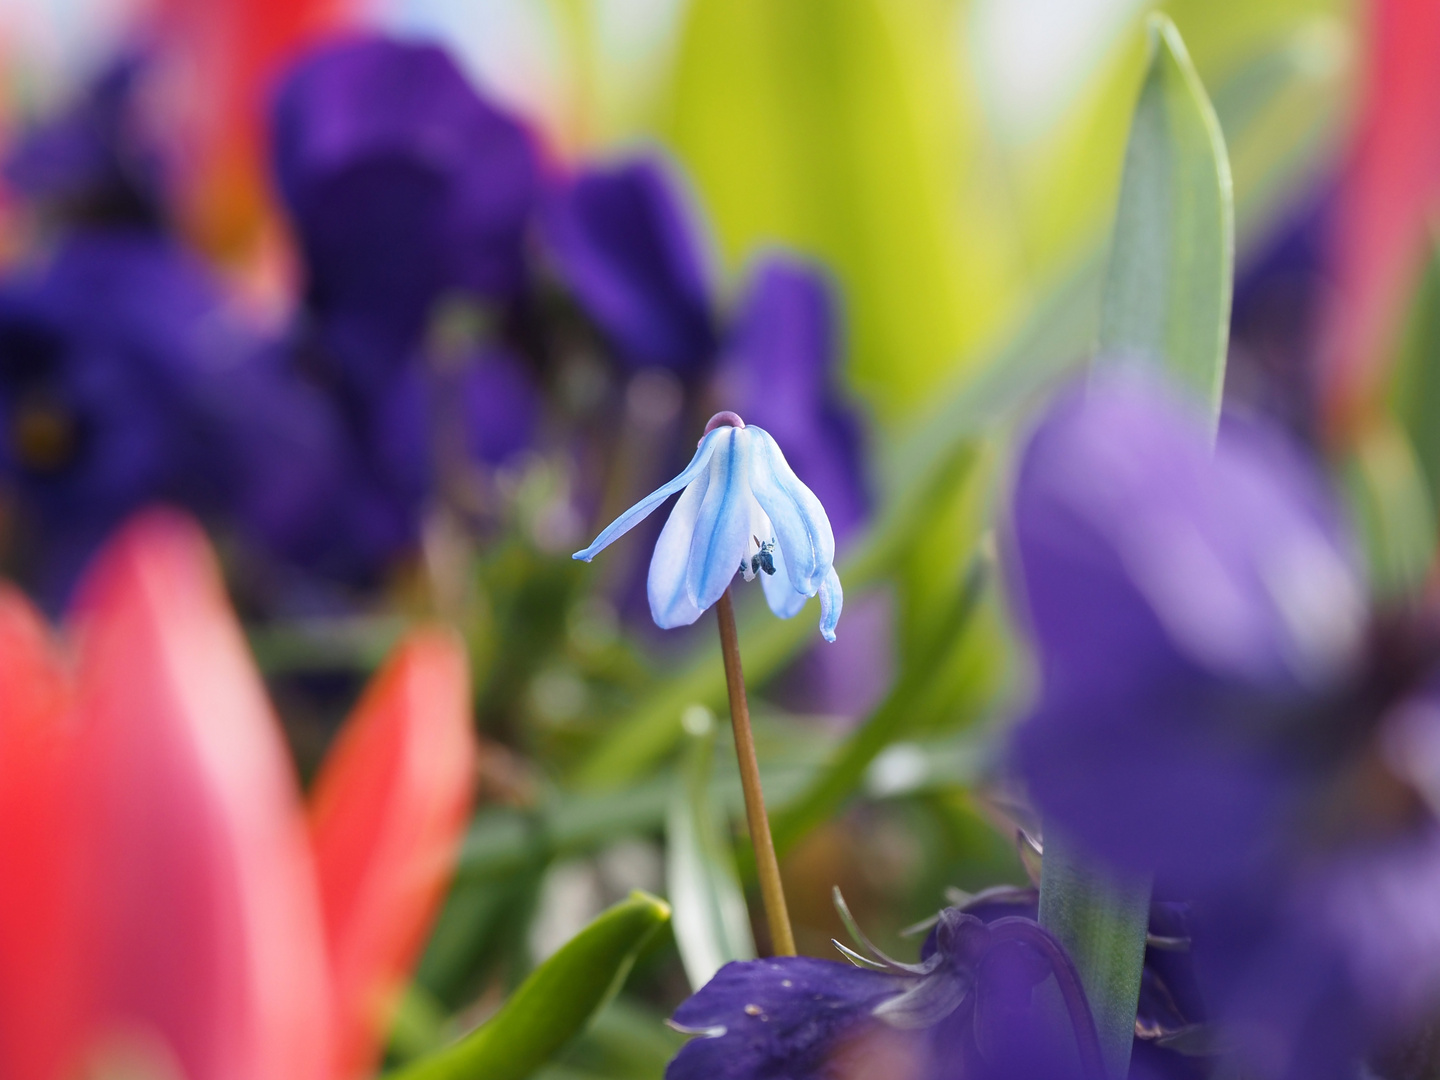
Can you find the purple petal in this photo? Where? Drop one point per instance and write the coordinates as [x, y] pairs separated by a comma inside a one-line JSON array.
[[788, 1017], [783, 371], [626, 246], [401, 181]]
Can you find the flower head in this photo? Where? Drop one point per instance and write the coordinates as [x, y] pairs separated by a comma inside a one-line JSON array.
[[401, 183], [741, 510], [970, 1008], [1219, 703], [164, 892]]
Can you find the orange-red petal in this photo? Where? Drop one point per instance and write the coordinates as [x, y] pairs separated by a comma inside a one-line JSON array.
[[387, 816], [202, 922], [40, 1003]]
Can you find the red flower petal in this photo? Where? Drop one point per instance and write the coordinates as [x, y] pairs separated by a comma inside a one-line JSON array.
[[39, 962], [1390, 185], [203, 932], [387, 816]]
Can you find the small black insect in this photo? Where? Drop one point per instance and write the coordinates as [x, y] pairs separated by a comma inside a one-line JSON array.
[[763, 559]]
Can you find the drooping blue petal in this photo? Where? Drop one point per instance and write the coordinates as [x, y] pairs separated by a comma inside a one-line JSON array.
[[670, 603], [722, 529], [832, 599], [784, 601], [801, 527], [641, 510]]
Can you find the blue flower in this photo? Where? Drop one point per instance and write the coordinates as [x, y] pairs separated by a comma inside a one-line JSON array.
[[741, 510], [1220, 704], [969, 1008]]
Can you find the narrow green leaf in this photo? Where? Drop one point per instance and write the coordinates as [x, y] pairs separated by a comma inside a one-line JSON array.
[[1172, 256], [892, 719], [1390, 498], [1167, 302], [1101, 920], [712, 923], [554, 1003]]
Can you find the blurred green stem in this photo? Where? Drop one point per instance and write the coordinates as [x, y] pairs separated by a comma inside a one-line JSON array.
[[767, 867], [1101, 920]]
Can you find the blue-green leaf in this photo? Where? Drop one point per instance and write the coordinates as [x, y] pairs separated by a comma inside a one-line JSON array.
[[1172, 256], [712, 923], [554, 1003]]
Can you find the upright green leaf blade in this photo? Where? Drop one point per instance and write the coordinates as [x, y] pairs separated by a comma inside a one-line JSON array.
[[712, 923], [1172, 257], [554, 1003]]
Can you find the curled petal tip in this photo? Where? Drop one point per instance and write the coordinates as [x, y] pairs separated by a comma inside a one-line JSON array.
[[581, 556], [832, 600]]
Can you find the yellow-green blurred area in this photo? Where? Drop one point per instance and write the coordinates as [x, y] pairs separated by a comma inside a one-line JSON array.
[[951, 161]]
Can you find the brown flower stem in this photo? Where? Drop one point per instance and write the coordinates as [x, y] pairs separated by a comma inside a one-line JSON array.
[[767, 867]]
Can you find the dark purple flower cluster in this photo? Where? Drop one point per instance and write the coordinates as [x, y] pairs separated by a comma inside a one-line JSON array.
[[1223, 705], [448, 273], [993, 996]]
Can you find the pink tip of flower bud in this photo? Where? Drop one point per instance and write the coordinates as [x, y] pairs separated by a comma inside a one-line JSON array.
[[723, 417]]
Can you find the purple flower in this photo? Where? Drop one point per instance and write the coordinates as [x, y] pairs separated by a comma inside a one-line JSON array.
[[401, 183], [969, 1008], [628, 249], [123, 381], [94, 162], [500, 406], [1219, 704], [782, 364]]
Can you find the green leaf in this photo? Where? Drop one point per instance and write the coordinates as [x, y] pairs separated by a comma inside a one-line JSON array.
[[1172, 255], [1167, 302], [1101, 920], [554, 1003], [843, 128], [712, 923], [893, 719]]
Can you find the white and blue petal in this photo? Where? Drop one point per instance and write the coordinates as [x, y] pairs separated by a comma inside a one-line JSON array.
[[801, 528], [722, 526], [670, 603], [641, 510], [783, 598], [832, 599]]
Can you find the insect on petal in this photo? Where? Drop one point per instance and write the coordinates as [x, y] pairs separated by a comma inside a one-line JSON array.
[[641, 510], [782, 597], [801, 527]]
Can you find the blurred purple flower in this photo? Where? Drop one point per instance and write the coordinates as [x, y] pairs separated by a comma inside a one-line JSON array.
[[969, 1008], [782, 365], [1218, 704], [627, 247], [94, 163], [501, 406], [123, 381], [401, 183]]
